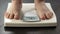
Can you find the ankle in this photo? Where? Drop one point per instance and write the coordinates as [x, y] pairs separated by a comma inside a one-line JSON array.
[[39, 1], [17, 1]]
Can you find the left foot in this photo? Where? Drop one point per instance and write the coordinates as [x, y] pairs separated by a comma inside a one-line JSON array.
[[43, 12]]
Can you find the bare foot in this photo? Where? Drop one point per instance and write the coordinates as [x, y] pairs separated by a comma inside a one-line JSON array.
[[43, 12], [13, 12]]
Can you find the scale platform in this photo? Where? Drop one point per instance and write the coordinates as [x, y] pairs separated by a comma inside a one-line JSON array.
[[28, 7]]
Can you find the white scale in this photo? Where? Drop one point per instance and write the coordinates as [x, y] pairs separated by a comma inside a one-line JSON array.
[[30, 18]]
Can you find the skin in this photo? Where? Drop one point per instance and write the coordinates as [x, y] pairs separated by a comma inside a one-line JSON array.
[[42, 11], [14, 11]]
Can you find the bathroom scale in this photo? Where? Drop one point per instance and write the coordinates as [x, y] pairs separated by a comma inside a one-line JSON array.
[[30, 17]]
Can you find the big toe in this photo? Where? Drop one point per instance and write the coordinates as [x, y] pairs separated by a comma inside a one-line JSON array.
[[16, 16]]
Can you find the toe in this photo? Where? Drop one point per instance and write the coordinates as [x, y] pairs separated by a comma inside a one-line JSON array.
[[51, 15], [42, 17], [16, 16], [11, 16], [7, 15], [48, 15]]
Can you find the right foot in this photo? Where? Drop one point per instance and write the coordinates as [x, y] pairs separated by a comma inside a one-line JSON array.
[[13, 12]]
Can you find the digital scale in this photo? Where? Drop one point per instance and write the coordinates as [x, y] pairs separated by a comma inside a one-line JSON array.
[[30, 18]]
